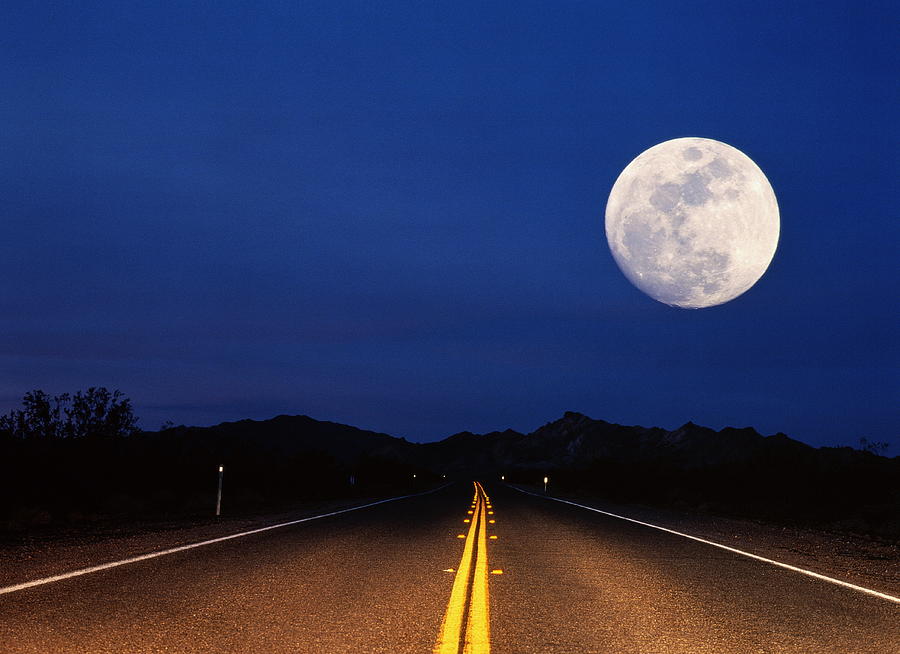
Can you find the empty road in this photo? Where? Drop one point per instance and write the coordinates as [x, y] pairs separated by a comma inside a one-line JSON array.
[[467, 568]]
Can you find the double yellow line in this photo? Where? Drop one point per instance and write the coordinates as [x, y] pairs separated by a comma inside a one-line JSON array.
[[469, 597]]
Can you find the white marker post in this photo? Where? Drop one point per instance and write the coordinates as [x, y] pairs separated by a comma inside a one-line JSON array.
[[219, 495], [546, 479]]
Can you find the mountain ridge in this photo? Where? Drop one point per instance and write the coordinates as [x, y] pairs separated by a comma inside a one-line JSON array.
[[573, 440]]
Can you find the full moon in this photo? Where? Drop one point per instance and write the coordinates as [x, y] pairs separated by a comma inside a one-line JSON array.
[[692, 222]]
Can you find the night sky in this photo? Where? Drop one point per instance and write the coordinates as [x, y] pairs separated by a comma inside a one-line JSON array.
[[391, 214]]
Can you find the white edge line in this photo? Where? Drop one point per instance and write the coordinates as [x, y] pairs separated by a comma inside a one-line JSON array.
[[810, 573], [172, 550]]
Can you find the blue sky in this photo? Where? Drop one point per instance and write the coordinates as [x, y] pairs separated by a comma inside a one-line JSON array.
[[391, 214]]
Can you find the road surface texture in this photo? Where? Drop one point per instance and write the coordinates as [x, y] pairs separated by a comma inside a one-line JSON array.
[[423, 574]]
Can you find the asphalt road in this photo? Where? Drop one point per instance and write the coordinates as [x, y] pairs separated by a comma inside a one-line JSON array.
[[380, 580]]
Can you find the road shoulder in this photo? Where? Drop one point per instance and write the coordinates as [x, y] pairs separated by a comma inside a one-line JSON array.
[[856, 559], [47, 552]]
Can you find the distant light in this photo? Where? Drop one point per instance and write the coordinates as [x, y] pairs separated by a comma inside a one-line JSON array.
[[502, 477], [221, 468], [414, 476], [546, 480]]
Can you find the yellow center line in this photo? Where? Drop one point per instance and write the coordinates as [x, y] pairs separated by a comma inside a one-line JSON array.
[[478, 629], [471, 589]]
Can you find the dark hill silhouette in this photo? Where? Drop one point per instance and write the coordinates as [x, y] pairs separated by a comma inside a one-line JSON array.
[[287, 436], [575, 441], [269, 464], [734, 471], [731, 471], [289, 458]]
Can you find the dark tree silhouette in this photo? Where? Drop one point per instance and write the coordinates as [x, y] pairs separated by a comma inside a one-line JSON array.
[[96, 412], [40, 417], [100, 413]]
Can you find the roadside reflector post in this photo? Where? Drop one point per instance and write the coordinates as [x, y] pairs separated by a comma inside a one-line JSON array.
[[219, 494]]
